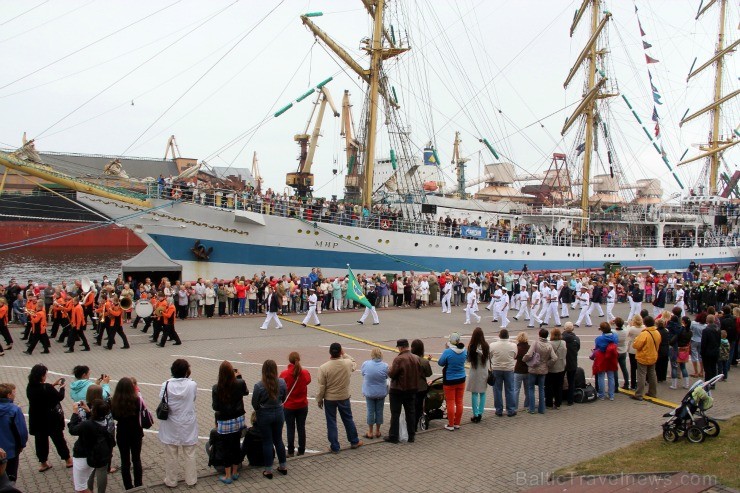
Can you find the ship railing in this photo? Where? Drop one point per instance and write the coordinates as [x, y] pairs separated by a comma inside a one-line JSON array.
[[246, 201]]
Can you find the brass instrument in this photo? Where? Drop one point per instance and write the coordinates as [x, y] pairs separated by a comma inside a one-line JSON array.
[[159, 311], [126, 303]]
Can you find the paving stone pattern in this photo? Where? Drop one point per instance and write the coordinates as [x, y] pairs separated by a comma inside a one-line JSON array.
[[497, 455]]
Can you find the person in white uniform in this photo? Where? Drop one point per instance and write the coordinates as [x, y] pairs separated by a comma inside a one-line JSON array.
[[552, 308], [470, 299], [535, 305], [584, 300], [502, 307], [611, 299], [523, 306], [311, 313], [446, 297], [680, 294], [545, 302]]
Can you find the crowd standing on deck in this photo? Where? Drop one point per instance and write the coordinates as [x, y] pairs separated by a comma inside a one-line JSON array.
[[642, 348]]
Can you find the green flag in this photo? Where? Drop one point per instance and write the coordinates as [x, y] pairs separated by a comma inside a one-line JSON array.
[[354, 290]]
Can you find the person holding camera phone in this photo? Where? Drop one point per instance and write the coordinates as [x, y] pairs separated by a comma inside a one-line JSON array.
[[228, 403], [78, 388], [46, 417]]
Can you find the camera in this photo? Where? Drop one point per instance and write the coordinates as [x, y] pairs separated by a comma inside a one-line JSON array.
[[61, 381]]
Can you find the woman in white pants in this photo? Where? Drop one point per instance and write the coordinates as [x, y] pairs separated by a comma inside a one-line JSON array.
[[179, 432]]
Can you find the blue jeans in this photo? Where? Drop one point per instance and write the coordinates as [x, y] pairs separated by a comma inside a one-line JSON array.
[[538, 380], [270, 423], [242, 304], [478, 400], [675, 365], [345, 412], [505, 381], [610, 377], [520, 380], [375, 410]]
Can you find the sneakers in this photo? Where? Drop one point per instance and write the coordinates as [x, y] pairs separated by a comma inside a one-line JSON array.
[[448, 427], [356, 445]]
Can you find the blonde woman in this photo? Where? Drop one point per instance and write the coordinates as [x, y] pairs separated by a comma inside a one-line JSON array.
[[634, 330], [374, 374]]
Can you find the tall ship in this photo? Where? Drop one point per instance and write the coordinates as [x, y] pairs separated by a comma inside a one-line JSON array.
[[399, 214]]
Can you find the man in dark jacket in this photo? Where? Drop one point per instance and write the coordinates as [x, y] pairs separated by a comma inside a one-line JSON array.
[[728, 324], [404, 375], [273, 305], [710, 341], [572, 345], [659, 301]]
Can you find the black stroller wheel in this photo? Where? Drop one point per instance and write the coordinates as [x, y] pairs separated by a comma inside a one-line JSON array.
[[670, 435], [695, 434], [711, 428], [423, 423]]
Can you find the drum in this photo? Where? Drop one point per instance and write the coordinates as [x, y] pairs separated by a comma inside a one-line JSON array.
[[144, 308]]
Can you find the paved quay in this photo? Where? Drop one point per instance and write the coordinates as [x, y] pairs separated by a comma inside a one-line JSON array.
[[497, 455]]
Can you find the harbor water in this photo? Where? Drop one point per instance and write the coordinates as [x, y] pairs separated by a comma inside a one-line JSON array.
[[56, 264]]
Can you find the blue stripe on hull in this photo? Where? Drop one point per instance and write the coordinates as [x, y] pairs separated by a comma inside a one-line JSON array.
[[179, 249]]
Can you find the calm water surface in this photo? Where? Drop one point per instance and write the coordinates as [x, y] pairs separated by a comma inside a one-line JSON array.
[[60, 264]]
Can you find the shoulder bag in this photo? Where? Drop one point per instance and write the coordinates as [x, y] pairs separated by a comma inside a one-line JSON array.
[[146, 420], [163, 409]]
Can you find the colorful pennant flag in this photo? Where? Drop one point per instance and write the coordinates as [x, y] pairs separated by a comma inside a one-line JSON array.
[[650, 59], [646, 45], [581, 148], [655, 114], [642, 32], [656, 98], [657, 130]]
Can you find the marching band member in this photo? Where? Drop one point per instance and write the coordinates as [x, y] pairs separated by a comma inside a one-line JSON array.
[[160, 305], [37, 319], [66, 309], [77, 321], [446, 297], [147, 320], [552, 306], [4, 324], [535, 306], [88, 306], [168, 324], [30, 308], [611, 299], [58, 315], [115, 324]]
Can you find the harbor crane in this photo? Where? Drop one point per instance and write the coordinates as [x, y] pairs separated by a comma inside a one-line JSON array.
[[302, 180]]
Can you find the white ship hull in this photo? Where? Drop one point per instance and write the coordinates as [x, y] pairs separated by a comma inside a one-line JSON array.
[[246, 242]]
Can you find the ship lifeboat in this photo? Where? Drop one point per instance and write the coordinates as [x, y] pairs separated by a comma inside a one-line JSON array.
[[430, 186]]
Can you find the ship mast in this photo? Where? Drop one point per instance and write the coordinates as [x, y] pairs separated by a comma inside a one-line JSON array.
[[588, 107], [714, 148], [372, 76]]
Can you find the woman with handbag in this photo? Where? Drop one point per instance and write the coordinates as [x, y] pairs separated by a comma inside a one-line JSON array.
[[295, 407], [46, 417], [128, 408], [178, 424], [267, 400], [228, 402]]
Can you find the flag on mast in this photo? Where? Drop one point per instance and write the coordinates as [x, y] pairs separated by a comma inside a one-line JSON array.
[[354, 290]]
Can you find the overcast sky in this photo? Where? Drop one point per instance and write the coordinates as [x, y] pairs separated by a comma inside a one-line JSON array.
[[118, 77]]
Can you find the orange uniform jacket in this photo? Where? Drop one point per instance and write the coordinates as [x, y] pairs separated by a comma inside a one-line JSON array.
[[4, 314], [39, 319], [112, 313], [78, 317], [89, 300], [163, 305], [169, 314]]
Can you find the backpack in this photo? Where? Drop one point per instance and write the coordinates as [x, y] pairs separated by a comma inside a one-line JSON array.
[[584, 395], [579, 382], [100, 452], [724, 351]]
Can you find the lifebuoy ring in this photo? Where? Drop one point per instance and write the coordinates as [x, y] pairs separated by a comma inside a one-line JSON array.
[[176, 193], [385, 224]]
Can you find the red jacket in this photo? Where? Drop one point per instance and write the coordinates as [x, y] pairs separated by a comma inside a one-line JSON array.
[[606, 360], [298, 398]]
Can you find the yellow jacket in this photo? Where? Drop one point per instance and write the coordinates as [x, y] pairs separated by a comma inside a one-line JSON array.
[[646, 345]]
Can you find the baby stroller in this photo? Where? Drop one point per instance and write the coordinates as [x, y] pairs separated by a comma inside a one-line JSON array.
[[689, 419], [434, 404]]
